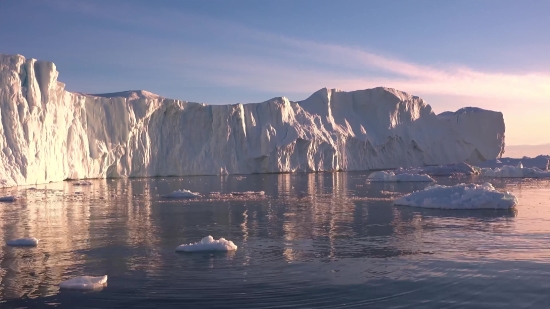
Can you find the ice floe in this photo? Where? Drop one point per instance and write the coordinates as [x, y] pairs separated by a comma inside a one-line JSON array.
[[461, 196], [248, 193], [442, 170], [23, 242], [514, 172], [208, 243], [85, 283], [9, 198], [542, 162], [182, 194], [389, 176]]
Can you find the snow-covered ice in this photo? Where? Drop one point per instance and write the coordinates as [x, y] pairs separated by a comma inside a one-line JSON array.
[[182, 194], [389, 176], [9, 198], [514, 172], [461, 196], [84, 283], [23, 242], [208, 244], [139, 134], [461, 168]]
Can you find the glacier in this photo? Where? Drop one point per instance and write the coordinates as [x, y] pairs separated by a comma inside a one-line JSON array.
[[50, 134]]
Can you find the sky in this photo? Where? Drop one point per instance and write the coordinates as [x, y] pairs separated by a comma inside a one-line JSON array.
[[493, 54]]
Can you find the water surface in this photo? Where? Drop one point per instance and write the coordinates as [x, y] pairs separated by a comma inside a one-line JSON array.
[[324, 240]]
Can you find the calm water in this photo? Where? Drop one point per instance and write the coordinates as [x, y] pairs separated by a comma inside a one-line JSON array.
[[324, 240]]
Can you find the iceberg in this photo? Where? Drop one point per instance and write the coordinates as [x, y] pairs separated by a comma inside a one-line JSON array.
[[208, 244], [50, 134], [85, 283], [23, 242], [388, 176], [182, 194], [514, 172], [461, 196]]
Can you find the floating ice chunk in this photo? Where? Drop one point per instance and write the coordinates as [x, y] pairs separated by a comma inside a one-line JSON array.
[[84, 283], [388, 176], [182, 194], [9, 198], [461, 196], [82, 183], [208, 244], [248, 193], [23, 242], [442, 170], [514, 172]]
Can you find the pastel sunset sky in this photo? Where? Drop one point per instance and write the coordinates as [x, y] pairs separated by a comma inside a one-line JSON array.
[[493, 54]]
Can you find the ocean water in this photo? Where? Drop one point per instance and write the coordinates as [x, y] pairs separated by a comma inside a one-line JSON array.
[[324, 240]]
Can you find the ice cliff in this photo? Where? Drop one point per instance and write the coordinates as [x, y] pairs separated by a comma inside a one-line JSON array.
[[49, 134]]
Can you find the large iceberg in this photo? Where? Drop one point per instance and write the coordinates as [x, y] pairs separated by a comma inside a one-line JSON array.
[[50, 134], [461, 196]]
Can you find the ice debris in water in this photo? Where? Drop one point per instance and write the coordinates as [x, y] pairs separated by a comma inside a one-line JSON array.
[[23, 242], [9, 198], [389, 176], [182, 194], [82, 183], [518, 171], [84, 283], [208, 244], [248, 193], [461, 196]]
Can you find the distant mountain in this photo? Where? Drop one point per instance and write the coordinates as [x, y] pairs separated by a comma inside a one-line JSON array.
[[519, 151]]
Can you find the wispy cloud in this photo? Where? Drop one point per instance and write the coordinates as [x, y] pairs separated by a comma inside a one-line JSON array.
[[231, 54]]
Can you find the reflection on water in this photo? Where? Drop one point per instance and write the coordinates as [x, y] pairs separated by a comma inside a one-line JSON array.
[[315, 240]]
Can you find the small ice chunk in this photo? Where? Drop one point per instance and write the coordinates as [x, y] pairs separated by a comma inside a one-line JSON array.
[[389, 176], [461, 196], [208, 244], [84, 283], [9, 198], [23, 242], [82, 183], [182, 194], [248, 193]]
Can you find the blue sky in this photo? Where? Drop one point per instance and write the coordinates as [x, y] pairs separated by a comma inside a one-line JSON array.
[[490, 54]]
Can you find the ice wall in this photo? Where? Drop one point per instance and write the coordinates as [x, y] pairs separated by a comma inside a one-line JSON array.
[[49, 134]]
